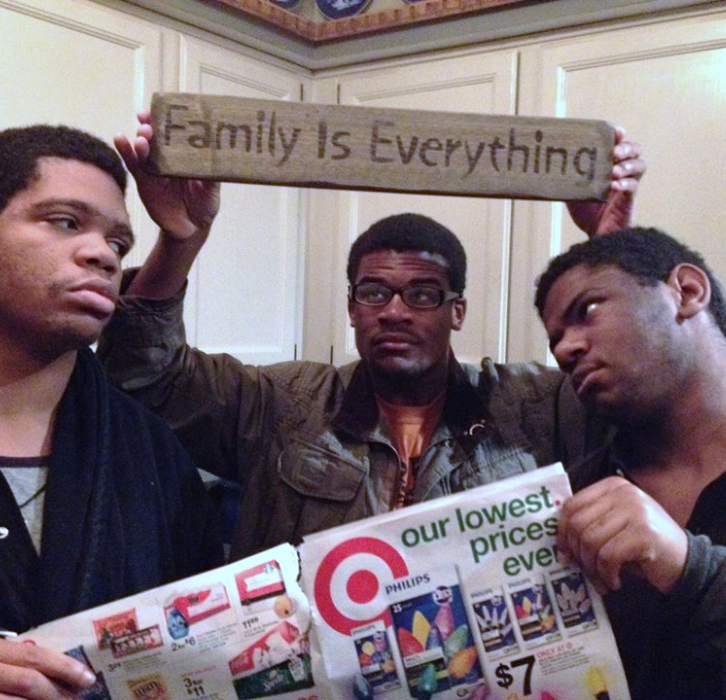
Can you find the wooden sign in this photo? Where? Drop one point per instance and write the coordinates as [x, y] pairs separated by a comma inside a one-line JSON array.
[[311, 145]]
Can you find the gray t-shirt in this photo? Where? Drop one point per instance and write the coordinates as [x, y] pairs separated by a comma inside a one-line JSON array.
[[27, 478]]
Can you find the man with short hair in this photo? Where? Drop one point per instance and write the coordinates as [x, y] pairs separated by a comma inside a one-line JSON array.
[[314, 445], [639, 322], [97, 498]]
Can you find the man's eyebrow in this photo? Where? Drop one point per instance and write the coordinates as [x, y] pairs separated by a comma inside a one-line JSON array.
[[432, 281], [428, 281], [51, 202], [595, 290], [563, 318], [574, 302], [119, 228]]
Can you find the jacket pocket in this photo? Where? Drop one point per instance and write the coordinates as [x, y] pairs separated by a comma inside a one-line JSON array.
[[319, 473], [487, 465]]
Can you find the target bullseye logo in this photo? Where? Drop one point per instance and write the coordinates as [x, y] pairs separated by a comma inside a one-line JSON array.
[[351, 579]]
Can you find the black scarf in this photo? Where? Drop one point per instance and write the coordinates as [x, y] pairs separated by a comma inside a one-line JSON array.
[[115, 519]]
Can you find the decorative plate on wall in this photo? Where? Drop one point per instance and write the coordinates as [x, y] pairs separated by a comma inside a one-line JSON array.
[[340, 9]]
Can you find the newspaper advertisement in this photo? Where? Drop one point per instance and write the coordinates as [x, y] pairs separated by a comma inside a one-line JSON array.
[[240, 631], [459, 598]]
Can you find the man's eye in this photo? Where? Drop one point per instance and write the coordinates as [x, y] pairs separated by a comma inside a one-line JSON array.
[[118, 247], [424, 294], [372, 294], [589, 307], [67, 222]]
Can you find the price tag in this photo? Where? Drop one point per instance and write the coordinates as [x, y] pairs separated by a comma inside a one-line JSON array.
[[187, 642], [506, 673], [194, 687]]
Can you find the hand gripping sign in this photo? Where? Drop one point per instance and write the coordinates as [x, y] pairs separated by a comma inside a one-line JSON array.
[[339, 147]]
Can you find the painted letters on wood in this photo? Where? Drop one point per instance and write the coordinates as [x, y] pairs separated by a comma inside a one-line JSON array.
[[311, 145]]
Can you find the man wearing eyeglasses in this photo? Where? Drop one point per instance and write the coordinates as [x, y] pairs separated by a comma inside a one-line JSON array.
[[313, 445], [407, 275]]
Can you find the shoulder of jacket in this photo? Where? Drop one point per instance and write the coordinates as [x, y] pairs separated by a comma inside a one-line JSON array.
[[308, 378], [526, 380]]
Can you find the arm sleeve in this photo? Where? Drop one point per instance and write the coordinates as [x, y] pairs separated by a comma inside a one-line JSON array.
[[214, 403], [700, 598]]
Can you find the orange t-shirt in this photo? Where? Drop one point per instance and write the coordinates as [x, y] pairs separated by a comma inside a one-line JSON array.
[[410, 429]]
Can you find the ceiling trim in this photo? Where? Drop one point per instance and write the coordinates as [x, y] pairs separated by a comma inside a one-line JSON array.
[[405, 13], [458, 31]]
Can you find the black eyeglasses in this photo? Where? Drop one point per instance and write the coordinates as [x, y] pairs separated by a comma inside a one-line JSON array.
[[417, 296]]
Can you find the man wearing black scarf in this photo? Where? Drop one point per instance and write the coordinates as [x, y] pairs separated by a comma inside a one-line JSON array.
[[97, 499]]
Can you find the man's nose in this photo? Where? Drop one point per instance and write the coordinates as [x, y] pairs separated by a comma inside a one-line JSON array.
[[94, 251], [395, 308], [568, 348]]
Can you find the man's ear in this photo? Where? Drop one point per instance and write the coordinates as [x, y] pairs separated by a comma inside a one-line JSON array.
[[458, 312], [693, 287], [351, 306]]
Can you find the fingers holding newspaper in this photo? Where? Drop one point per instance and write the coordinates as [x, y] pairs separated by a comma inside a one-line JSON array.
[[613, 527], [34, 673]]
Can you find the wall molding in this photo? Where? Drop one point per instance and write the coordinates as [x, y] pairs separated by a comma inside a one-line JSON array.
[[459, 30], [403, 14]]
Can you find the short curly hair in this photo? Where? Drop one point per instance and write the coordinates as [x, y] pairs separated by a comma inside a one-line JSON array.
[[411, 232], [648, 254], [22, 147]]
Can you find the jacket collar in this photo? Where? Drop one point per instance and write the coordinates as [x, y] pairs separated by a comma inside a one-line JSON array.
[[465, 414]]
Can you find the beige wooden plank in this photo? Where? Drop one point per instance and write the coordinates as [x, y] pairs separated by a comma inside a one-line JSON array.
[[267, 141]]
